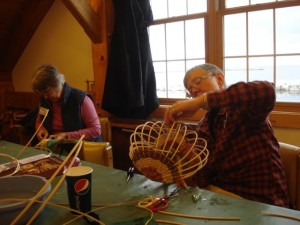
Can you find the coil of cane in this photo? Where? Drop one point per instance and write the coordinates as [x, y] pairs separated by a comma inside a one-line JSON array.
[[167, 154]]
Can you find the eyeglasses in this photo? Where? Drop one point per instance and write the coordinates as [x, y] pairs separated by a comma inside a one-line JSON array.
[[197, 82], [48, 92], [52, 93]]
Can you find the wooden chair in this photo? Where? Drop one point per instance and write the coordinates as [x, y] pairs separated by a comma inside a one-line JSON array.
[[290, 155], [105, 129], [100, 152], [97, 152]]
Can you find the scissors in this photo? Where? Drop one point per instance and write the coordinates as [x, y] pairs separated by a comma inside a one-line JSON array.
[[154, 204], [157, 204], [130, 173]]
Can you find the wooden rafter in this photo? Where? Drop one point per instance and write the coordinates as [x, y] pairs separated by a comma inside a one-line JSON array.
[[86, 17]]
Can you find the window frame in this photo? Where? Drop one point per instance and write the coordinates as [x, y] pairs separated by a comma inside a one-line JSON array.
[[285, 107], [284, 114]]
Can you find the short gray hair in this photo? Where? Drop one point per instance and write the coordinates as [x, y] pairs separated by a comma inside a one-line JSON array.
[[46, 76], [208, 68]]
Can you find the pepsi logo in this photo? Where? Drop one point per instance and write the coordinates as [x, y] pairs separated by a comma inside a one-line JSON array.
[[82, 186]]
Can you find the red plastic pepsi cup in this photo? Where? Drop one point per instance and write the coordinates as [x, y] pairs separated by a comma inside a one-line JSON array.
[[79, 188]]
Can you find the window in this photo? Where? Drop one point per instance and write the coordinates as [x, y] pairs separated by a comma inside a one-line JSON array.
[[235, 3], [177, 41], [264, 45], [253, 39]]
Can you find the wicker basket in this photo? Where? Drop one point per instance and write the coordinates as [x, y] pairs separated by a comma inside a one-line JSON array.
[[167, 154]]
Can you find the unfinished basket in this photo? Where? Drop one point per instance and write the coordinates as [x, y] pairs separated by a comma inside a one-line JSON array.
[[167, 154]]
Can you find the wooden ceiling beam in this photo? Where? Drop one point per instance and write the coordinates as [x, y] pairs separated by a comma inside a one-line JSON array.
[[86, 17]]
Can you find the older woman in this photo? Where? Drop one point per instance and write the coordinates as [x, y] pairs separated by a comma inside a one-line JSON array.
[[71, 111], [243, 151]]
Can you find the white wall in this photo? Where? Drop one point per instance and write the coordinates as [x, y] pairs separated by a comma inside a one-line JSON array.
[[61, 41]]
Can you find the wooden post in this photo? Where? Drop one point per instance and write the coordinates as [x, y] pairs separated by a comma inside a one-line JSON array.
[[104, 9]]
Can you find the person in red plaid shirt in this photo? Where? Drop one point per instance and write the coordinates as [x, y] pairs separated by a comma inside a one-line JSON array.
[[243, 151]]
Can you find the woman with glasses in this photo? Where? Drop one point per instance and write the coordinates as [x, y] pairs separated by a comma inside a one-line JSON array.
[[243, 151], [71, 111]]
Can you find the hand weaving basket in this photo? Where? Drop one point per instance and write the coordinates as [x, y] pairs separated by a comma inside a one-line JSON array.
[[167, 154]]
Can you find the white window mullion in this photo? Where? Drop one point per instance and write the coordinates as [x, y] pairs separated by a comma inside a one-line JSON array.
[[247, 46], [274, 46]]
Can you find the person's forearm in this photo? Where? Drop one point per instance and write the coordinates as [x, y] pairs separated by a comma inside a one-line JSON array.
[[91, 121], [89, 133], [202, 101], [257, 95]]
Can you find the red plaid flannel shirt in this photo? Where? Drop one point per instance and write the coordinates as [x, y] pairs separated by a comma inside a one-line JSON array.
[[244, 157]]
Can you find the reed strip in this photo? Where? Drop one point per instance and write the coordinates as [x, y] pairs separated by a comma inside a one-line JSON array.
[[39, 127], [169, 222], [57, 185], [200, 217], [102, 207], [62, 206], [280, 215], [49, 182]]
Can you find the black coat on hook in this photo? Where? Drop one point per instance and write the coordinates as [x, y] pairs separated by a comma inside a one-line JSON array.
[[130, 86]]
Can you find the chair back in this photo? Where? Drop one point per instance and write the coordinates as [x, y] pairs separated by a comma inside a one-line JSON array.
[[105, 129], [290, 155], [98, 152], [95, 152]]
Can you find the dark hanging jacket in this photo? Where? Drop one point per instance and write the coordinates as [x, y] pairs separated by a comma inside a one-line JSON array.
[[71, 110], [130, 86]]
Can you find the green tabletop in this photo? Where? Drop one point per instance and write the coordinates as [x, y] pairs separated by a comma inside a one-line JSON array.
[[117, 201]]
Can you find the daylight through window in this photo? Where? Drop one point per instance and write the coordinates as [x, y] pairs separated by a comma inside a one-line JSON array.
[[259, 40]]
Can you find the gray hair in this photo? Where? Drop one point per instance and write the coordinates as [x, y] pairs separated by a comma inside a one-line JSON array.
[[208, 68], [46, 76]]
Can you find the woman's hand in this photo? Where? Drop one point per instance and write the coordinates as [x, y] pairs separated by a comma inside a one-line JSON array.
[[59, 136], [42, 134], [184, 109]]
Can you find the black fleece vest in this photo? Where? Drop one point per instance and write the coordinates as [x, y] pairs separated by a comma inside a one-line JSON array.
[[71, 110]]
